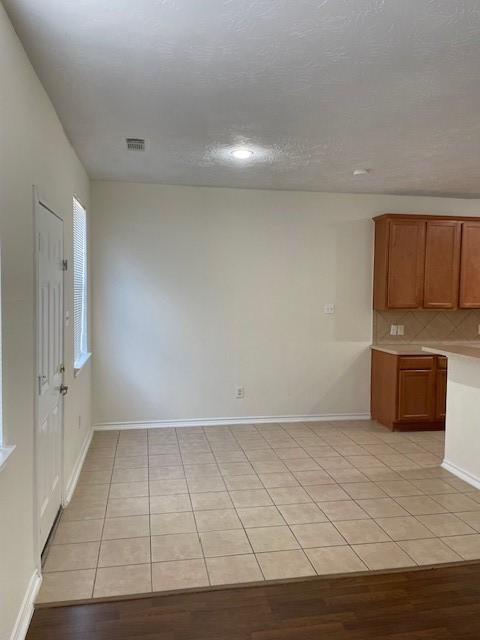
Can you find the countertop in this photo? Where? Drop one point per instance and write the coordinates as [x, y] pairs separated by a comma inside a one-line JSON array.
[[467, 349], [400, 349]]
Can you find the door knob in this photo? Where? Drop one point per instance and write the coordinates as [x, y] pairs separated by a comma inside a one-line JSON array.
[[63, 388]]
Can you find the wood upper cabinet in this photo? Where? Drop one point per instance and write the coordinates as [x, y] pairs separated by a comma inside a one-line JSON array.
[[426, 262], [405, 264], [399, 263], [442, 264], [470, 266]]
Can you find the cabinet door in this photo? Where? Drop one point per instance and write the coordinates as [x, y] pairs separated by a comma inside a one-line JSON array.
[[470, 266], [406, 256], [442, 264], [416, 395], [441, 394]]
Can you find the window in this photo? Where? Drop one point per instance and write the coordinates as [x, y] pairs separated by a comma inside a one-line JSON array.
[[80, 286]]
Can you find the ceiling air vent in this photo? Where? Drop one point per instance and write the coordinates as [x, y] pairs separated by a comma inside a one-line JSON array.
[[135, 144]]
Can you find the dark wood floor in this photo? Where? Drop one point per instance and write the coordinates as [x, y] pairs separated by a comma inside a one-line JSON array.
[[434, 604]]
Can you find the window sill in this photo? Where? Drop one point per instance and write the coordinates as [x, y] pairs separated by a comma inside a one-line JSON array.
[[5, 453], [80, 363]]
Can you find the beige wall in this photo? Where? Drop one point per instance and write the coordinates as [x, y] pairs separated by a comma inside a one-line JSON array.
[[33, 150], [198, 290]]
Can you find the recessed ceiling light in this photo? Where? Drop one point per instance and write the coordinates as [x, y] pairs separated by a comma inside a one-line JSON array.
[[361, 172], [242, 153]]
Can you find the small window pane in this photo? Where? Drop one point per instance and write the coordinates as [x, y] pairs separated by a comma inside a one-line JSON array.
[[80, 285]]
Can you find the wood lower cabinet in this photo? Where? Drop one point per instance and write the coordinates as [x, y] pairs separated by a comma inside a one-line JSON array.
[[408, 392], [441, 394], [416, 395]]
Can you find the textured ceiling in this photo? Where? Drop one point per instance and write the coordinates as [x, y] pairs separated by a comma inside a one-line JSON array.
[[324, 85]]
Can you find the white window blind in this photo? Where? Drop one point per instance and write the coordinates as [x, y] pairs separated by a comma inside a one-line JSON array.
[[80, 285]]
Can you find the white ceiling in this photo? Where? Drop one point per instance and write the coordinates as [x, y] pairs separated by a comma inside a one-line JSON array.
[[325, 85]]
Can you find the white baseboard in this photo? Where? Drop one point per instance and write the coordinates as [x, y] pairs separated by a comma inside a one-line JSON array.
[[26, 608], [462, 474], [211, 422], [72, 482]]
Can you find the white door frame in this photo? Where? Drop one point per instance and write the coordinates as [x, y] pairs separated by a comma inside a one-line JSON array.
[[40, 201]]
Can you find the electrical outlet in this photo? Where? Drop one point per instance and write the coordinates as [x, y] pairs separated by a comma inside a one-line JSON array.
[[240, 393], [394, 330], [400, 329], [329, 308]]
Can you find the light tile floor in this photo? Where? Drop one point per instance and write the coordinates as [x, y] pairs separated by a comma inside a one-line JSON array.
[[164, 509]]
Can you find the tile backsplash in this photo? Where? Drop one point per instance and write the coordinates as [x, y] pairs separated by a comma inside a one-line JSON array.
[[424, 325]]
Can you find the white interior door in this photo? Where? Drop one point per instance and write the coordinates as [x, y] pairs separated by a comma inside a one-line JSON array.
[[49, 379]]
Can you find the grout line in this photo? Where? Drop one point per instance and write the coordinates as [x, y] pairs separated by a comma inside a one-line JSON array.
[[104, 519]]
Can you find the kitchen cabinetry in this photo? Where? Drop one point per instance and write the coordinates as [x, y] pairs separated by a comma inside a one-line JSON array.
[[399, 258], [408, 392], [426, 262], [442, 264], [415, 395], [470, 266], [405, 261]]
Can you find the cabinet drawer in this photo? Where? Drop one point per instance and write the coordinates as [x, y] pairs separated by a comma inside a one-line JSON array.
[[416, 362]]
